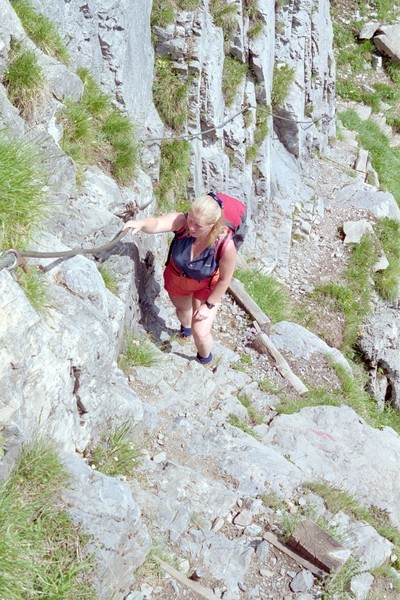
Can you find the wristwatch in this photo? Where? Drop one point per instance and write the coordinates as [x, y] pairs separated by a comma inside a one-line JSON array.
[[209, 305]]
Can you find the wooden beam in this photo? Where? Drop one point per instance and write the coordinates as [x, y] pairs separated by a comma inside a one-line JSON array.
[[272, 539], [265, 345], [245, 301], [200, 591]]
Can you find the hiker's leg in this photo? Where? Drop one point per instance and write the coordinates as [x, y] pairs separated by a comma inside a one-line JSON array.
[[202, 330], [183, 307]]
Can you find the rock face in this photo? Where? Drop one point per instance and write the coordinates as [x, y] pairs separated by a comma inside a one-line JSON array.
[[59, 374]]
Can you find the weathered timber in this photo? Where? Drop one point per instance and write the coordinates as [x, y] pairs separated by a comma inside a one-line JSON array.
[[245, 301], [264, 345], [196, 588], [272, 539], [317, 546]]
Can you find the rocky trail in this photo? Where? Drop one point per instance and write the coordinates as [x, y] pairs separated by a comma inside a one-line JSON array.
[[209, 491]]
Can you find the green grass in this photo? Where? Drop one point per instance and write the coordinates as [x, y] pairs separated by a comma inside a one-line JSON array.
[[338, 500], [171, 191], [256, 418], [170, 94], [353, 297], [40, 548], [35, 286], [137, 352], [163, 11], [237, 422], [23, 79], [352, 393], [255, 30], [262, 130], [384, 159], [251, 153], [109, 278], [96, 132], [23, 197], [387, 281], [267, 386], [224, 15], [282, 80], [41, 30], [233, 75], [270, 295], [115, 453]]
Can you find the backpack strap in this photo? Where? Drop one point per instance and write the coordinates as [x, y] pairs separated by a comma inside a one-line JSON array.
[[222, 243], [177, 235]]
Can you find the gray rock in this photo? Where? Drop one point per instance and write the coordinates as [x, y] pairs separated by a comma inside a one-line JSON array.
[[360, 585], [107, 511], [381, 204], [387, 41], [368, 30], [302, 582]]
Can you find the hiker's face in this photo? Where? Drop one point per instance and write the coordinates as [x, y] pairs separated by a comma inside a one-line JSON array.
[[197, 225]]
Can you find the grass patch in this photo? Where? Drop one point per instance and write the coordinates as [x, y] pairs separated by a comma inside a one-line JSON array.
[[353, 394], [262, 130], [171, 191], [255, 30], [282, 80], [270, 295], [96, 132], [267, 386], [233, 75], [237, 422], [163, 11], [354, 297], [137, 352], [41, 30], [23, 79], [114, 454], [224, 15], [255, 416], [338, 500], [387, 281], [40, 547], [170, 93], [384, 159], [35, 286], [109, 278], [23, 198]]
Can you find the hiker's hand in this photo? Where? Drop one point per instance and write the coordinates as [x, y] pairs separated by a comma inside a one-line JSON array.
[[133, 226], [202, 313]]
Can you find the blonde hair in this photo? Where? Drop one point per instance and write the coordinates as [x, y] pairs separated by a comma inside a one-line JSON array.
[[211, 212]]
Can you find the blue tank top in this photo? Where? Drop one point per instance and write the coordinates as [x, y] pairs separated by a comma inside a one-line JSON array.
[[201, 267]]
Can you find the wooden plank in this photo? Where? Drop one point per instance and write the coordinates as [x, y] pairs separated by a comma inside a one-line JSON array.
[[317, 546], [272, 539], [245, 301], [196, 588], [265, 345]]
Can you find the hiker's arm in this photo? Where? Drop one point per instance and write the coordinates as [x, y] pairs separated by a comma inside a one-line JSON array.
[[169, 222]]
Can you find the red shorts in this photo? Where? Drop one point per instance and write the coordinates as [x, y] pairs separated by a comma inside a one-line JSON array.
[[178, 284]]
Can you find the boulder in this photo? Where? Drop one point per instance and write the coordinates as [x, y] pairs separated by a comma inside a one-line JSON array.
[[387, 41]]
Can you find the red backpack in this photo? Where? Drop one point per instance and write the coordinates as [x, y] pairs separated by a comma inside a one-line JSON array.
[[235, 216]]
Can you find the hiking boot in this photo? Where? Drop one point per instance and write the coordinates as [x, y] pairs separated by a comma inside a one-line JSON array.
[[204, 360]]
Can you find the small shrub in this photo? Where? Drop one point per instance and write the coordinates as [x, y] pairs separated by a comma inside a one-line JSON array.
[[233, 74], [262, 130], [282, 80], [137, 352], [251, 153], [115, 453], [23, 79], [41, 30], [170, 93], [171, 191], [23, 198], [267, 292]]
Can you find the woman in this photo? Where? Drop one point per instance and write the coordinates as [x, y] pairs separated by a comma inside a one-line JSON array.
[[200, 266]]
